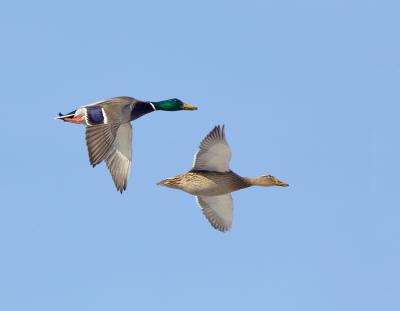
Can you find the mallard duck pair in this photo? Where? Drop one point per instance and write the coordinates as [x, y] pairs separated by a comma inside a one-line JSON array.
[[109, 139]]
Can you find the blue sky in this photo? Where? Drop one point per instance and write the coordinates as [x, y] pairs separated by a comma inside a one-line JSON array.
[[307, 91]]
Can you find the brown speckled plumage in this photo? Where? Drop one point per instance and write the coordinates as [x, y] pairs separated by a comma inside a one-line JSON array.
[[206, 182], [211, 180]]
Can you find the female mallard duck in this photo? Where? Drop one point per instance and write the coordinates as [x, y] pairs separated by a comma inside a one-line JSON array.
[[211, 180], [109, 132]]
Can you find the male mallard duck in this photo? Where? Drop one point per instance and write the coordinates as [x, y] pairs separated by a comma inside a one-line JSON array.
[[211, 180], [109, 132]]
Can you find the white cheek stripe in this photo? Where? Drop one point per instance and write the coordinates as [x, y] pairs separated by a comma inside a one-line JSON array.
[[104, 116]]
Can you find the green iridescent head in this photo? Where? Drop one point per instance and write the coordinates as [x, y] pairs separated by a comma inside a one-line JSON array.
[[172, 104]]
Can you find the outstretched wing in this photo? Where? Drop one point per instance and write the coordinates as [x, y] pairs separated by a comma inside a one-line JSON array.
[[119, 157], [214, 152], [99, 139], [218, 210], [112, 143]]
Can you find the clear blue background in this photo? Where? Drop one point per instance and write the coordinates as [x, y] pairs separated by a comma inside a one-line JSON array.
[[308, 91]]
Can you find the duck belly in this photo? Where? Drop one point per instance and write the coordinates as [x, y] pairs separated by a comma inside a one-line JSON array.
[[206, 187]]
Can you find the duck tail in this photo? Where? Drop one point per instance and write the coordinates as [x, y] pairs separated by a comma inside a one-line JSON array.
[[63, 116], [71, 117], [162, 182], [174, 182]]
